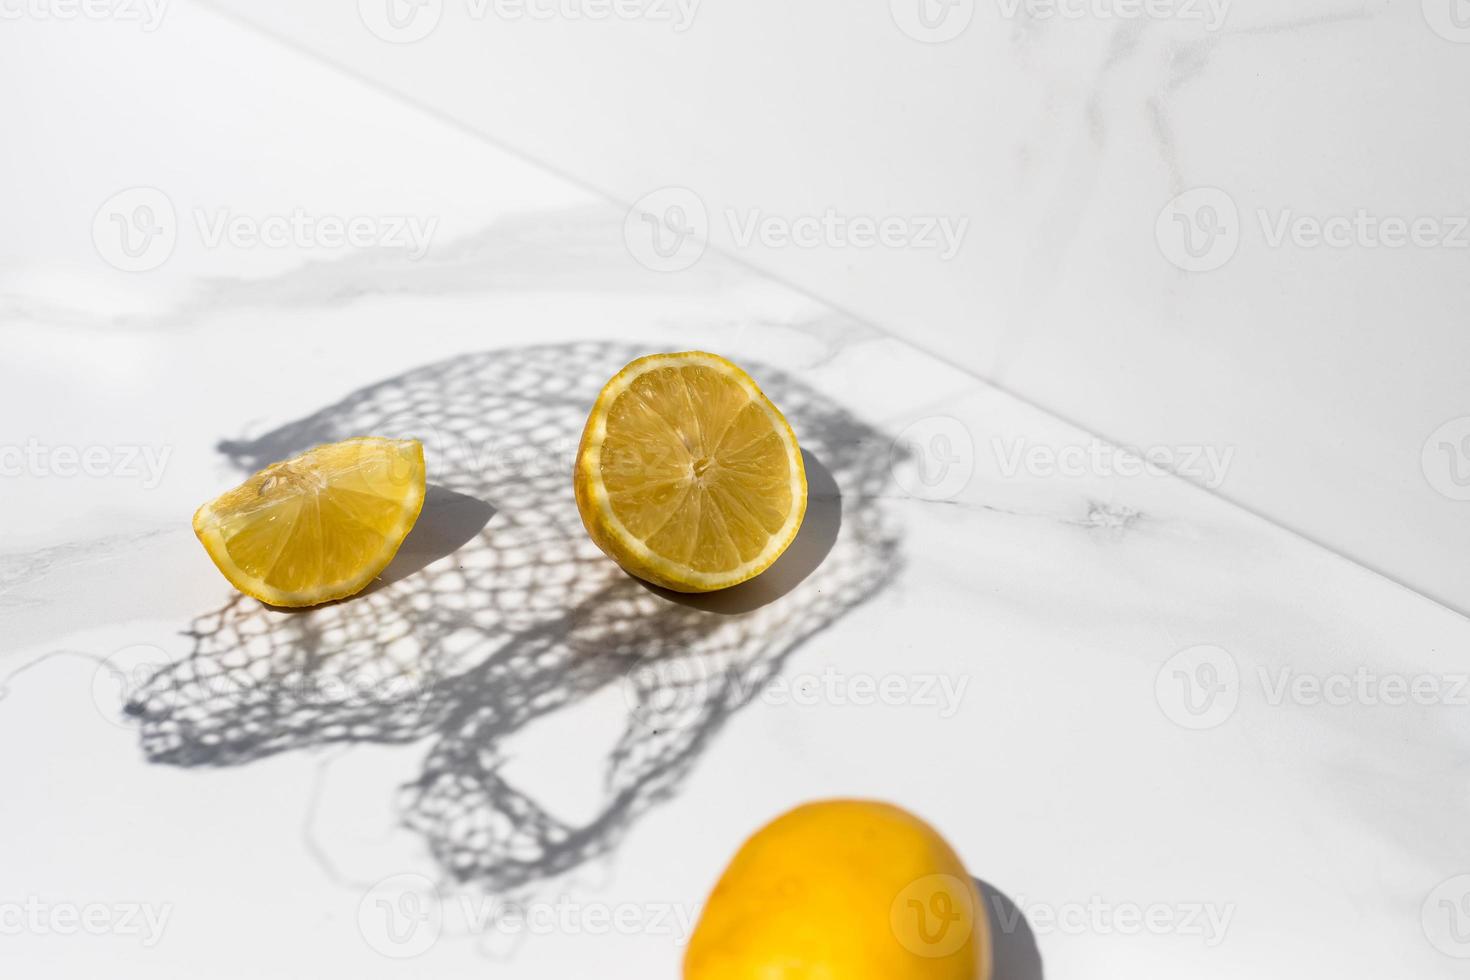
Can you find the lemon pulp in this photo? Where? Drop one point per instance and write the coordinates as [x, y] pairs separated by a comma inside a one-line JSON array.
[[319, 526], [687, 475]]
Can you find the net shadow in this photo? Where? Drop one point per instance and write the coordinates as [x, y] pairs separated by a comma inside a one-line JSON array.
[[524, 618]]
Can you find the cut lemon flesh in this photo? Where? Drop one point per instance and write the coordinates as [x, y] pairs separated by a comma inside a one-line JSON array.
[[317, 527], [687, 475]]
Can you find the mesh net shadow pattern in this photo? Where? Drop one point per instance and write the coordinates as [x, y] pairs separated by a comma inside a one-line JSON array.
[[499, 610]]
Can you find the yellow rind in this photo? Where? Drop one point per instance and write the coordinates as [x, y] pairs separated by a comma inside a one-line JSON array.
[[843, 888]]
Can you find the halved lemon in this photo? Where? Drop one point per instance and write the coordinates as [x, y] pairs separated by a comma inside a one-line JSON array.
[[687, 476], [319, 526]]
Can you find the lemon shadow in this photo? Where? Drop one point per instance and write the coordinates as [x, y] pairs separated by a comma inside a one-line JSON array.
[[1014, 954]]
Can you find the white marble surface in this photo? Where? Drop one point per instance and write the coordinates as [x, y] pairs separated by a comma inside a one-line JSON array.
[[1104, 684]]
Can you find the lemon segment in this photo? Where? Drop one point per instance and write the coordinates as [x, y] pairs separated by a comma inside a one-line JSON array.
[[319, 526], [687, 476]]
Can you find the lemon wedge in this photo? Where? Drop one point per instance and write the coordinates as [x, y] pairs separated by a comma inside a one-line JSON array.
[[687, 476], [319, 526]]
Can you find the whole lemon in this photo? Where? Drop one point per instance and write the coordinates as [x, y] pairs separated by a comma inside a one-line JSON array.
[[842, 890]]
